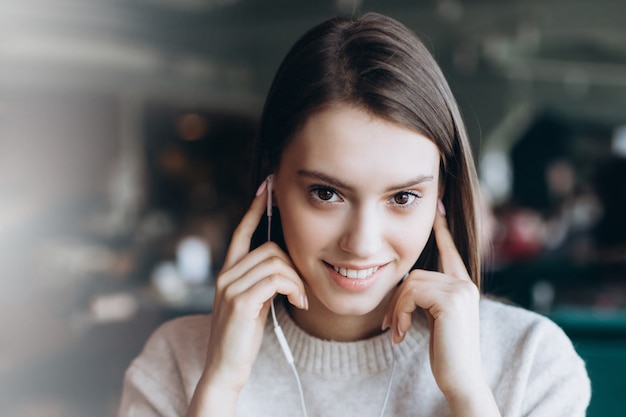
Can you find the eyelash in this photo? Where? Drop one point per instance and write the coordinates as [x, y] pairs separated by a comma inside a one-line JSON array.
[[315, 190], [415, 199]]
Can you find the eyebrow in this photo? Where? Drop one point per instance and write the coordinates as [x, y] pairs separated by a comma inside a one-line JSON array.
[[339, 184]]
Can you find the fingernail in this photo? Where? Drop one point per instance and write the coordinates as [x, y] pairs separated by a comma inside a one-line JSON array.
[[304, 302], [441, 207], [385, 325], [261, 188], [400, 332]]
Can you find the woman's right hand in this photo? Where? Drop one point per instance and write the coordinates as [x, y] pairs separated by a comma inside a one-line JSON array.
[[244, 289]]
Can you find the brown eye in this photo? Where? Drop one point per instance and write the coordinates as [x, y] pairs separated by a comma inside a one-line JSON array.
[[325, 194], [404, 198]]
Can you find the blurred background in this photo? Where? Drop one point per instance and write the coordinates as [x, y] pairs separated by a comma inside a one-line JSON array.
[[125, 133]]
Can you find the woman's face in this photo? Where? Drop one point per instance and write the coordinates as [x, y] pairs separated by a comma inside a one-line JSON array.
[[357, 197]]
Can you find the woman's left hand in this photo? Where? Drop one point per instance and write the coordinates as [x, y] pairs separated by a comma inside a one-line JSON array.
[[451, 302]]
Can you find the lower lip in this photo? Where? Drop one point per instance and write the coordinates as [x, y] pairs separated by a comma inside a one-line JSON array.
[[354, 284]]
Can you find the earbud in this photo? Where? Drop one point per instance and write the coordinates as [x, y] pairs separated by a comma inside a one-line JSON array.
[[270, 180]]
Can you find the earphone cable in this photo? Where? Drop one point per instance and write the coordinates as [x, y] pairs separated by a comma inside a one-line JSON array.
[[277, 329], [297, 375], [287, 352], [393, 368]]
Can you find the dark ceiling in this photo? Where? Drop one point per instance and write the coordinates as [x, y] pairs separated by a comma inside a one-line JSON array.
[[497, 54]]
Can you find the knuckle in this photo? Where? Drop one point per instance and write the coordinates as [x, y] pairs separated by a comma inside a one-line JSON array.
[[229, 294], [415, 289], [275, 263], [273, 246], [220, 280], [274, 250], [240, 303], [469, 289], [274, 280], [465, 293]]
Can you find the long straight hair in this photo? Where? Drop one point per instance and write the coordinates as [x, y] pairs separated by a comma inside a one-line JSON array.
[[377, 64]]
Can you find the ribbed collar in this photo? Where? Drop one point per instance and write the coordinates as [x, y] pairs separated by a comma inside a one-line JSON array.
[[350, 359]]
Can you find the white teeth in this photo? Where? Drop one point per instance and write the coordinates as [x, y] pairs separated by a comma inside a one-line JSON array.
[[355, 273]]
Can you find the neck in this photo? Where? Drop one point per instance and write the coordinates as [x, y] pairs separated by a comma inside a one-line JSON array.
[[318, 321]]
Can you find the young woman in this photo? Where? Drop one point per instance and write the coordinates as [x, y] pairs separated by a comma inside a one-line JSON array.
[[375, 269]]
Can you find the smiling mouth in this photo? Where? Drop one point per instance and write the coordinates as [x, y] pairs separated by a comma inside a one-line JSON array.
[[355, 273]]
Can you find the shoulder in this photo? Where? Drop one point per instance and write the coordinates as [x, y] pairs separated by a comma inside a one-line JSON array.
[[181, 339], [513, 322], [534, 351], [192, 330], [161, 380], [175, 353]]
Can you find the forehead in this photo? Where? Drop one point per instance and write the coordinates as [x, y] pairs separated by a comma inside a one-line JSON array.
[[351, 143]]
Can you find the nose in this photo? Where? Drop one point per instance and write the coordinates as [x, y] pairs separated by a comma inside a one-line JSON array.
[[363, 232]]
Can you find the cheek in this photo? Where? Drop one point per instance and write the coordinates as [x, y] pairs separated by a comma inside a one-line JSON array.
[[413, 235], [305, 231], [302, 233]]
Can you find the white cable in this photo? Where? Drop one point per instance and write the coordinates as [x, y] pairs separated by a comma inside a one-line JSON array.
[[393, 368], [295, 372], [282, 341]]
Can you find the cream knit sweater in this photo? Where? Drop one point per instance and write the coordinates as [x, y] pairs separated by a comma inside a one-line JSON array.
[[529, 362]]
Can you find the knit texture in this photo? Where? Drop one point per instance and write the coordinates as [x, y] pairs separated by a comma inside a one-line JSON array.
[[529, 363]]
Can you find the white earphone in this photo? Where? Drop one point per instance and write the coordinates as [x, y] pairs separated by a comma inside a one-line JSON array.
[[278, 331]]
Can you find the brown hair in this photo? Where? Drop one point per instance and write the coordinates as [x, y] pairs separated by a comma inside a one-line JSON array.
[[377, 64]]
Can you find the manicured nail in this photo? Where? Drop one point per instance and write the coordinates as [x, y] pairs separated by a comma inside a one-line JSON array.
[[441, 207], [385, 325], [400, 332], [261, 188], [304, 302]]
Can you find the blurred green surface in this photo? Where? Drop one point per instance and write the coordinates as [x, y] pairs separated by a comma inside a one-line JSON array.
[[599, 336]]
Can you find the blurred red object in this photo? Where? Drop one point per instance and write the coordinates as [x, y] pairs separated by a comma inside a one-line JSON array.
[[521, 235]]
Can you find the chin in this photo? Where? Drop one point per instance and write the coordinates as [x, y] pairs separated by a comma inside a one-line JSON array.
[[352, 306]]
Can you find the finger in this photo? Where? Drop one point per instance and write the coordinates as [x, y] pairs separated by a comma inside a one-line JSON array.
[[423, 289], [270, 268], [451, 260], [401, 316], [404, 304], [254, 299], [388, 319], [240, 243], [249, 260]]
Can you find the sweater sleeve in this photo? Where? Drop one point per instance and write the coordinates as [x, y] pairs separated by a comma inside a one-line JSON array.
[[161, 380], [557, 384], [144, 395]]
